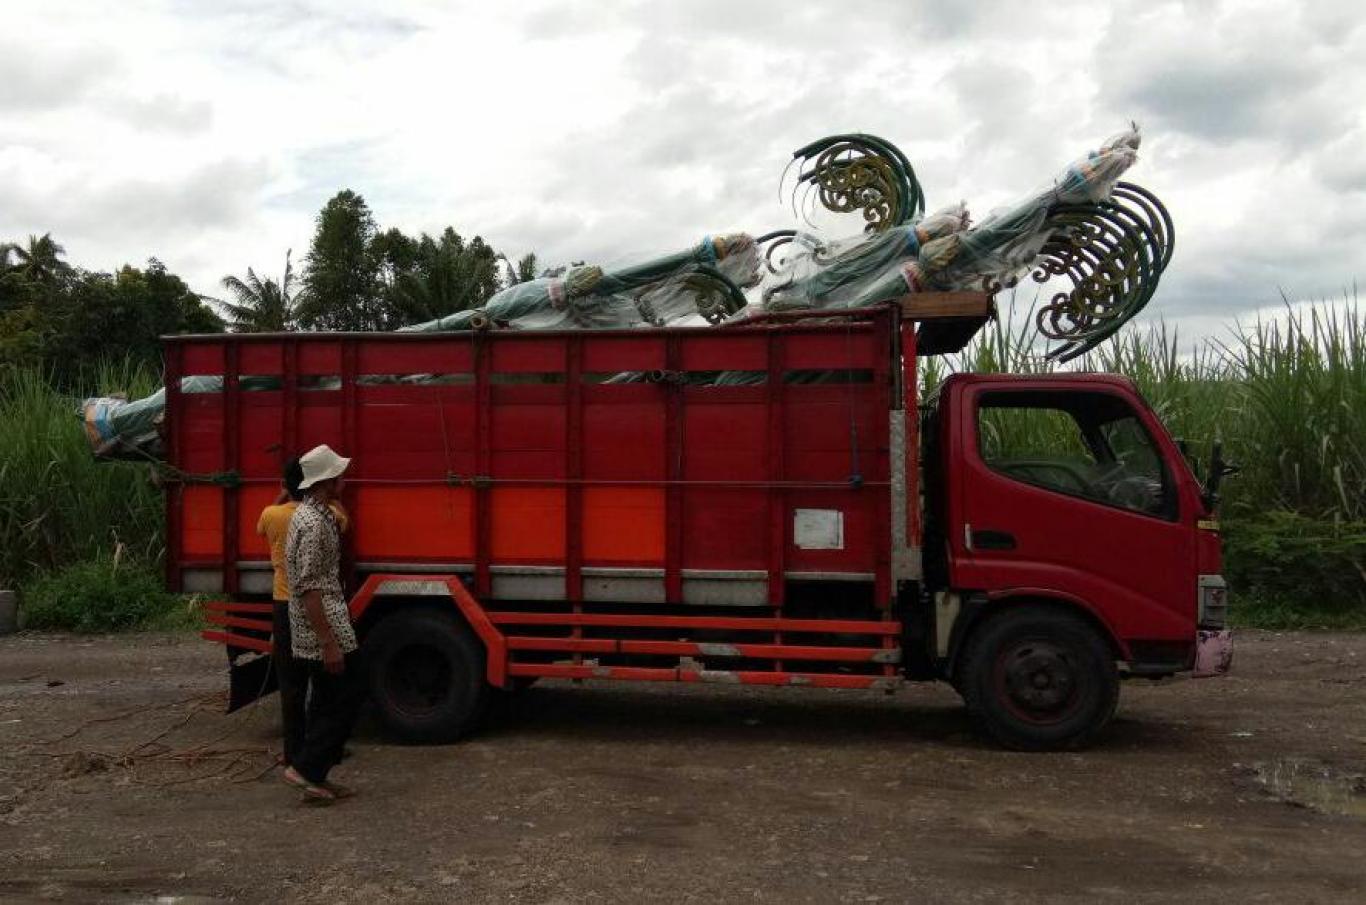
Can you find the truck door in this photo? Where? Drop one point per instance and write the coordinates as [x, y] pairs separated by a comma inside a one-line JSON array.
[[1067, 491]]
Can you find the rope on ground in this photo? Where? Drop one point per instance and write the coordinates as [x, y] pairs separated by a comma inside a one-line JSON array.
[[236, 764]]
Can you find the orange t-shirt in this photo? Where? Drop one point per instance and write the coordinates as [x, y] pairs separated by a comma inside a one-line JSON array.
[[273, 525]]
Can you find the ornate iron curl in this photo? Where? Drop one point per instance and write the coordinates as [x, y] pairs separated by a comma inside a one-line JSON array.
[[774, 241], [861, 173], [1113, 253], [716, 295]]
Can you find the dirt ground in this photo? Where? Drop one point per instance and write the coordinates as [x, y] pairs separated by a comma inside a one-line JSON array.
[[1250, 788]]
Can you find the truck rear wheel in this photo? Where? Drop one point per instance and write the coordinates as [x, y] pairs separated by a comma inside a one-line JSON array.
[[1037, 679], [426, 676]]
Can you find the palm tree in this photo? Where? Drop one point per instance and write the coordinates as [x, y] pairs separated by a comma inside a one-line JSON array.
[[40, 262], [439, 285], [261, 306]]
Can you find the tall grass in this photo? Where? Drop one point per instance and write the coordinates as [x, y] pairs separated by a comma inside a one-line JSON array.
[[1286, 396], [58, 506]]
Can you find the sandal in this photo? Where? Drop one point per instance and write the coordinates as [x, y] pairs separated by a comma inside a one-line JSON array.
[[318, 794], [338, 790]]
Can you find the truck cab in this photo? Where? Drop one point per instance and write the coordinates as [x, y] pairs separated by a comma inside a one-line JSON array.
[[1065, 533]]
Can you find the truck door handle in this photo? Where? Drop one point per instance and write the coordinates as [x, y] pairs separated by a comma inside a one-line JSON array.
[[986, 539]]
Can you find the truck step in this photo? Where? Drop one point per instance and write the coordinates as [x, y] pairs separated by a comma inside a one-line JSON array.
[[714, 676], [753, 623], [704, 649]]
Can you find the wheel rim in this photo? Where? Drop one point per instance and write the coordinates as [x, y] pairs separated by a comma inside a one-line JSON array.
[[417, 679], [1038, 681]]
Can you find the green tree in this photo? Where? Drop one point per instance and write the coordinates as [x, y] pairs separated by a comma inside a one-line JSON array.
[[397, 257], [38, 262], [121, 315], [341, 278], [261, 306], [449, 276], [482, 273], [526, 267]]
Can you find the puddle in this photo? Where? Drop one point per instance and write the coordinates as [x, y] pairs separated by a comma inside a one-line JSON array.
[[1315, 785]]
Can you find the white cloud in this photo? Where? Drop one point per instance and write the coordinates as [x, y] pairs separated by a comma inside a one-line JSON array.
[[209, 135]]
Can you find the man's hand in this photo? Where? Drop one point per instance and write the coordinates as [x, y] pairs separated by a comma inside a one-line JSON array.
[[333, 661]]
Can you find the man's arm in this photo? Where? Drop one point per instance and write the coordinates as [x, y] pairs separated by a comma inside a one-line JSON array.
[[313, 606], [308, 584]]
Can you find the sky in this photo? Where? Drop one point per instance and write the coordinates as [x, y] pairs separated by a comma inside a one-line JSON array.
[[209, 134]]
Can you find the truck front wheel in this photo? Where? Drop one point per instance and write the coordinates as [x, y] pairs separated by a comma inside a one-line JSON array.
[[1037, 679], [426, 676]]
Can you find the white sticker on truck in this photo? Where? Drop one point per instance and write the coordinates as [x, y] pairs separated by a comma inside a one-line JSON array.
[[818, 529]]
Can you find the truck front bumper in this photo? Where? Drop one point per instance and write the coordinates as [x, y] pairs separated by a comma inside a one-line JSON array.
[[1213, 653]]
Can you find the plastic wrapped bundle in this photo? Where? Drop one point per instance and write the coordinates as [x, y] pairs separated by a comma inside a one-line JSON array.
[[851, 273], [706, 280], [703, 282], [119, 429], [942, 252], [1111, 240]]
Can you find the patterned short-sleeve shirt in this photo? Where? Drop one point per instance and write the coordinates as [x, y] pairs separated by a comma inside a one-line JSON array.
[[313, 563]]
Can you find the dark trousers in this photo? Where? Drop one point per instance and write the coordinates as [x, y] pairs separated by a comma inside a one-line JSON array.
[[291, 676], [332, 708]]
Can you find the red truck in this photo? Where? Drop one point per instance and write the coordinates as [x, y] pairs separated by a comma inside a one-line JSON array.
[[764, 503]]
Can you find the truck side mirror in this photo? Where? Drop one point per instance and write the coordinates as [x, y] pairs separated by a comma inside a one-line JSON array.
[[1218, 470]]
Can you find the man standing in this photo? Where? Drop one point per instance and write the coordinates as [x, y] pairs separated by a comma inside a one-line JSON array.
[[291, 673], [321, 627]]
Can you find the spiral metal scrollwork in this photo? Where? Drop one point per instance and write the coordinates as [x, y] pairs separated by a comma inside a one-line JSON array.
[[1113, 254], [715, 295], [772, 244], [861, 173]]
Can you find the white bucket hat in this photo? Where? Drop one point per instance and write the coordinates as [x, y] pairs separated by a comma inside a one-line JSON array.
[[321, 464]]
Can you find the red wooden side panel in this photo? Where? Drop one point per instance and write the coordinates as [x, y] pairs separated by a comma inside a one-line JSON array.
[[661, 473]]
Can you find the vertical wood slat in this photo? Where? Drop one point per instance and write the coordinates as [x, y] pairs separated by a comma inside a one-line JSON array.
[[483, 495], [289, 401], [673, 473], [349, 442], [171, 437], [232, 418], [911, 402], [883, 590], [777, 498], [573, 491]]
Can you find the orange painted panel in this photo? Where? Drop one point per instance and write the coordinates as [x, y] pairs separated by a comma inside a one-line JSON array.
[[623, 525], [398, 523], [201, 522], [528, 524], [250, 501]]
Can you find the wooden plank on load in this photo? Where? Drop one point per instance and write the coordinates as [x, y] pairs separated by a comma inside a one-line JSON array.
[[924, 306]]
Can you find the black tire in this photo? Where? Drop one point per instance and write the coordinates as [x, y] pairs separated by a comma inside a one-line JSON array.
[[1039, 679], [426, 676]]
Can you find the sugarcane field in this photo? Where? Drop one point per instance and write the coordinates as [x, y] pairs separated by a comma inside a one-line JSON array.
[[738, 453]]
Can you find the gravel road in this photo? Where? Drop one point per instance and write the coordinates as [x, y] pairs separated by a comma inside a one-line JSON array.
[[122, 781]]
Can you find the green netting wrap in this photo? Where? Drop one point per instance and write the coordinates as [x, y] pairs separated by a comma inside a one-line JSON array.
[[707, 281]]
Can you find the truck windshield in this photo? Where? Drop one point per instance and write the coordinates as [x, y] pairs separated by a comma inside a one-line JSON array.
[[1089, 445]]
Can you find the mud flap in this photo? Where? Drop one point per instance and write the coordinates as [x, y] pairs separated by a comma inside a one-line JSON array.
[[251, 676]]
